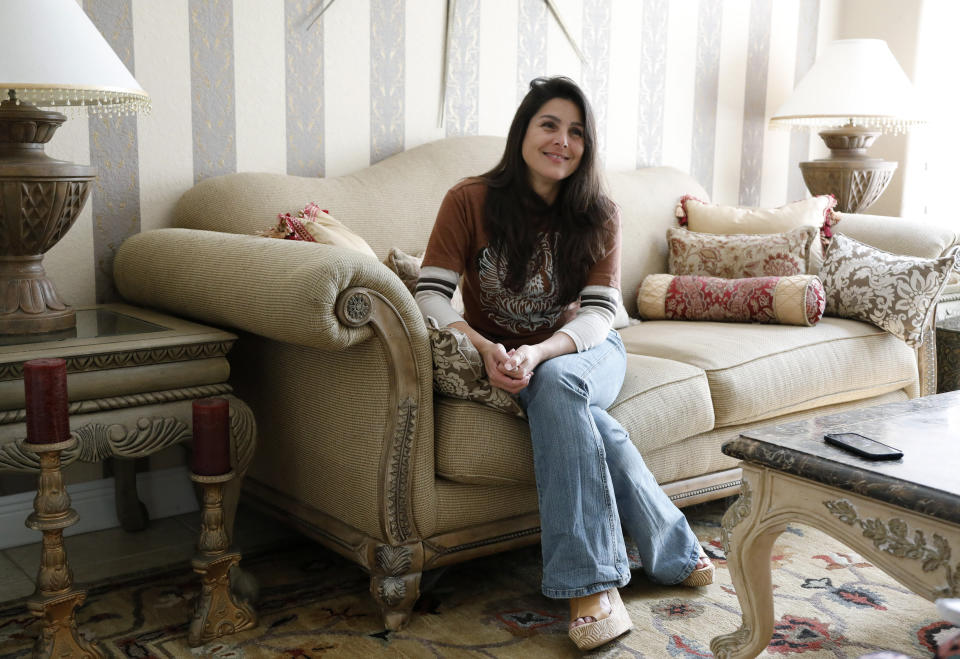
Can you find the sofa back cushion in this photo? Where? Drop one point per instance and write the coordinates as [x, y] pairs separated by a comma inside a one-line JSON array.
[[648, 199], [394, 202]]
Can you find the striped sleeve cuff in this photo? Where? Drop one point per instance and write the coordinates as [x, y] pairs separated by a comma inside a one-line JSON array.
[[598, 306], [434, 292], [438, 280]]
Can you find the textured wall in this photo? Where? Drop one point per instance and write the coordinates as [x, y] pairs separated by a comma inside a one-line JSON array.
[[243, 85]]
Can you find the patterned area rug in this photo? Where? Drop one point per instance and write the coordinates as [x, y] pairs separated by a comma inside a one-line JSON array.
[[829, 602]]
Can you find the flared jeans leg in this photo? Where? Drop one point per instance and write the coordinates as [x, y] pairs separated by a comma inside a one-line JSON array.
[[590, 476]]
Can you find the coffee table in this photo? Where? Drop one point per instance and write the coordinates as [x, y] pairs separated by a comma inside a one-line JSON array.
[[903, 516]]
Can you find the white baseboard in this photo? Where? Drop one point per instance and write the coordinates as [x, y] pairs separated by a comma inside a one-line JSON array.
[[165, 493]]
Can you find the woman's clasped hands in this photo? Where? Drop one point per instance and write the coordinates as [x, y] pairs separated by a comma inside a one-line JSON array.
[[510, 370]]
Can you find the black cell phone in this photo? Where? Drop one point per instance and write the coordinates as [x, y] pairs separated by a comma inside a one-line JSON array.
[[865, 447]]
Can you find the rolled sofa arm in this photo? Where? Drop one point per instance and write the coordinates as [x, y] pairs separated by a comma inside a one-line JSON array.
[[899, 235], [282, 290], [324, 298]]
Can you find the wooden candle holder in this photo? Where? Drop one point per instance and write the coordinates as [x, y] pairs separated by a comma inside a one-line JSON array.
[[221, 609], [55, 599]]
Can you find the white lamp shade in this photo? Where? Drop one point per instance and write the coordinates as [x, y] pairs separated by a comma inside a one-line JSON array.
[[51, 54], [853, 80]]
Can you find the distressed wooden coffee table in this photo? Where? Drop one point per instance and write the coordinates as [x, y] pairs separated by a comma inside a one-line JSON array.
[[903, 516]]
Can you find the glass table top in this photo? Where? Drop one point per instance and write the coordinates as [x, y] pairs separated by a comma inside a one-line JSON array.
[[91, 323]]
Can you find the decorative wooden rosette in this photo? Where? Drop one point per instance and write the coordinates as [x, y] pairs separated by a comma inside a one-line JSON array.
[[55, 599], [221, 610]]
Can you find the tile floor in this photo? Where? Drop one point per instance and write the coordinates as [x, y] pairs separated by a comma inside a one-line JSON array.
[[115, 552]]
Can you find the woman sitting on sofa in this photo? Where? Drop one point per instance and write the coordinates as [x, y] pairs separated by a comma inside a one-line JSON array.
[[533, 237]]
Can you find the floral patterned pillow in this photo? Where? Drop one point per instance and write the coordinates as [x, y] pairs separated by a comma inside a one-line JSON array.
[[458, 371], [896, 293], [740, 255], [796, 300]]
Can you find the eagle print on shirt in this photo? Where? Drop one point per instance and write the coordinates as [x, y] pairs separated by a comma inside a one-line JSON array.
[[536, 306]]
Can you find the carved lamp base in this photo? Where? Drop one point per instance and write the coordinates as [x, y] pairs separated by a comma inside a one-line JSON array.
[[855, 179], [40, 198]]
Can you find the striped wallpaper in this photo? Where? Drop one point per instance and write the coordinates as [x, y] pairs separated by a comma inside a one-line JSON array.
[[245, 85]]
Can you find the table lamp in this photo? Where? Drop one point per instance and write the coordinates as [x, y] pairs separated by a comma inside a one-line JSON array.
[[856, 90], [51, 55]]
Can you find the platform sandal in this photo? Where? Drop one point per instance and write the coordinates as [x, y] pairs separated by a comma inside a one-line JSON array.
[[701, 576], [606, 625]]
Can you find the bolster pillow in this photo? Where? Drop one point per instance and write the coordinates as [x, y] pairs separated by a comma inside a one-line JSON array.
[[794, 300]]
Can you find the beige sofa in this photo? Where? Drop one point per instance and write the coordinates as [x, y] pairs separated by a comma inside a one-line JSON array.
[[355, 449]]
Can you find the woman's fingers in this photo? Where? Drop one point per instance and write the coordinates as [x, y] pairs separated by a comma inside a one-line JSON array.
[[515, 361], [511, 385], [510, 382]]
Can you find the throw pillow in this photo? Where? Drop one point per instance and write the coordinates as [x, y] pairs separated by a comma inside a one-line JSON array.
[[407, 268], [713, 218], [315, 225], [458, 371], [796, 300], [896, 293], [737, 256]]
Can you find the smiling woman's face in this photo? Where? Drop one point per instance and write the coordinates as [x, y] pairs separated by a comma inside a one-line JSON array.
[[553, 145]]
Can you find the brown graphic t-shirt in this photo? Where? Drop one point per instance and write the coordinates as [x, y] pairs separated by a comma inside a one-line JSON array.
[[459, 243]]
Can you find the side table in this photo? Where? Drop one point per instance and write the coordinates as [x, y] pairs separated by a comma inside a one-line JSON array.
[[948, 354], [132, 375]]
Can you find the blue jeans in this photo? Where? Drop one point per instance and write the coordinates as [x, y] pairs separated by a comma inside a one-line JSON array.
[[591, 478]]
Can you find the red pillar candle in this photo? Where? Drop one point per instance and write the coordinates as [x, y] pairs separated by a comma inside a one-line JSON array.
[[45, 390], [211, 436]]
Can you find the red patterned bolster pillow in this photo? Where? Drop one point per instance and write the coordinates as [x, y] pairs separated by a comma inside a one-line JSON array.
[[795, 300]]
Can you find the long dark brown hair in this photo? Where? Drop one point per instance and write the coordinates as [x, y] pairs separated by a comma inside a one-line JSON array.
[[581, 216]]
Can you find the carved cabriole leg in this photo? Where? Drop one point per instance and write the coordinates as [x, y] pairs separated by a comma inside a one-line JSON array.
[[131, 512], [748, 538], [913, 548], [395, 581], [243, 441]]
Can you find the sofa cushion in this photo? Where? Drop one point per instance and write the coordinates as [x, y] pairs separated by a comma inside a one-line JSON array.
[[661, 402], [675, 462], [760, 371]]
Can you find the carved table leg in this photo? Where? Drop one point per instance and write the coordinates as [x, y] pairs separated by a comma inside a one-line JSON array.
[[748, 541], [221, 610], [55, 599], [243, 436], [395, 582], [131, 512]]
